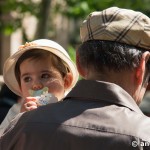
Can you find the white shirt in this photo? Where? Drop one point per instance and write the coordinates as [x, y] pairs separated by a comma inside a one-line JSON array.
[[13, 111]]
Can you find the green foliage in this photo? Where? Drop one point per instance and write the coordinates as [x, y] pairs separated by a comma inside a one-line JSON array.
[[71, 52], [19, 6], [12, 13], [81, 8], [74, 9], [9, 27]]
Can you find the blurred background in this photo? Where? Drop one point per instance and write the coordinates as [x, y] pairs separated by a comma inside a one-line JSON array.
[[59, 20]]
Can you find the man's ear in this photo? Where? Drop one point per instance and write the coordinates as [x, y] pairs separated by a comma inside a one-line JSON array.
[[68, 80], [82, 71], [140, 71]]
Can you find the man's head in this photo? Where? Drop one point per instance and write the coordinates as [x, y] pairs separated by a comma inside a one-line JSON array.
[[115, 48]]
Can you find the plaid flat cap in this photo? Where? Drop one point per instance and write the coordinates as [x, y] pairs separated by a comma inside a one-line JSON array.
[[116, 24]]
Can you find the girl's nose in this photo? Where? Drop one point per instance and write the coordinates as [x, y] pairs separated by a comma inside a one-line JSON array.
[[37, 86]]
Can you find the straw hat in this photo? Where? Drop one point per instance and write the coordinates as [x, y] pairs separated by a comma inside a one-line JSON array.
[[44, 44]]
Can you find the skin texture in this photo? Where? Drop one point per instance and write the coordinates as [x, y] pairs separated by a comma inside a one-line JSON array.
[[133, 81], [141, 78], [36, 74]]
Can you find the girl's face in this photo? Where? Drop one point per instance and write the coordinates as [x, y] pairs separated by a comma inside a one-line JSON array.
[[36, 74]]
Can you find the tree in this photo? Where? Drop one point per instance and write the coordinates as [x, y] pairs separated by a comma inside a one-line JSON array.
[[16, 10], [12, 12], [80, 8]]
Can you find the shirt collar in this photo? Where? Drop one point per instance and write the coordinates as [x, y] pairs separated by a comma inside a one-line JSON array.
[[102, 91]]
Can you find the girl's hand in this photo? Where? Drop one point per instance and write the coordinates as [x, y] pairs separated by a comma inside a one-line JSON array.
[[29, 104]]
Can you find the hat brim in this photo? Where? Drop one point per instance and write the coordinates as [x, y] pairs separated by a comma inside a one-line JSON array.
[[9, 67]]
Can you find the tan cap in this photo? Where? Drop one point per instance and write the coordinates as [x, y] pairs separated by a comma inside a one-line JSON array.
[[120, 25], [43, 44]]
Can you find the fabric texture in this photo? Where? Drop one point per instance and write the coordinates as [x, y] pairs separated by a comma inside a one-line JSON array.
[[102, 116], [116, 24]]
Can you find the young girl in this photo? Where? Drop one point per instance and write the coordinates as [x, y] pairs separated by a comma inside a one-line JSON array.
[[37, 65]]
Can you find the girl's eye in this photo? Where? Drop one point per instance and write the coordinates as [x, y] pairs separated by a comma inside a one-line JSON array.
[[27, 79], [45, 76]]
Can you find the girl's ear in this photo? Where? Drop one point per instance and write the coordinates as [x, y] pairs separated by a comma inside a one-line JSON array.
[[68, 80], [140, 71]]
